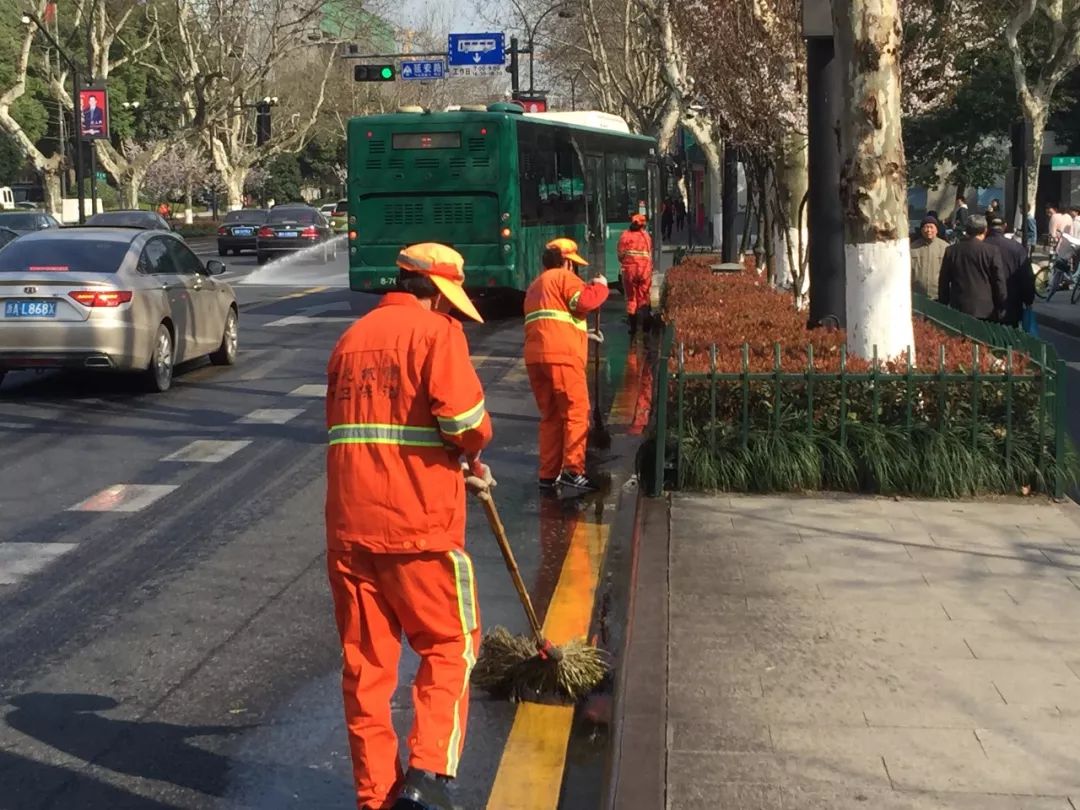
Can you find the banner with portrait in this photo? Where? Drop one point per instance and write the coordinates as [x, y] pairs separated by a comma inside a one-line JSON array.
[[93, 113]]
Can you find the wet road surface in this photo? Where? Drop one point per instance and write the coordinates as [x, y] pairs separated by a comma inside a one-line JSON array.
[[167, 637]]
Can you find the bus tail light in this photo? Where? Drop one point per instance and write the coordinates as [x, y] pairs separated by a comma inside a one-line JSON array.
[[352, 236], [506, 216], [505, 233]]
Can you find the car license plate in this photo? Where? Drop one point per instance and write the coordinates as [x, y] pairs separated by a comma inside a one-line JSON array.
[[241, 232], [287, 234], [30, 309]]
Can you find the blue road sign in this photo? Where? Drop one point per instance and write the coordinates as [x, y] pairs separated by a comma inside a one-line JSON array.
[[423, 71], [476, 49]]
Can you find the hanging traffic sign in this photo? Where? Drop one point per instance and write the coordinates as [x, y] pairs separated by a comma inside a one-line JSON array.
[[422, 71], [476, 50]]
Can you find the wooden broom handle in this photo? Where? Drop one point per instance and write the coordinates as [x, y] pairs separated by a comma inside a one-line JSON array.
[[511, 564]]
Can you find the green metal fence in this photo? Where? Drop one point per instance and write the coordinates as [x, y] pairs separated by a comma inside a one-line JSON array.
[[1045, 371]]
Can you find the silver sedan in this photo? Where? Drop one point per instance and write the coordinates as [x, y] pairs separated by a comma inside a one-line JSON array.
[[115, 299]]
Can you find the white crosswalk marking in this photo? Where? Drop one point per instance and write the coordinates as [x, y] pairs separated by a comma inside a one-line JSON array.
[[318, 391], [207, 451], [124, 498], [270, 416], [18, 560]]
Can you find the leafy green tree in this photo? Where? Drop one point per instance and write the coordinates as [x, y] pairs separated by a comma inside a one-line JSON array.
[[284, 179]]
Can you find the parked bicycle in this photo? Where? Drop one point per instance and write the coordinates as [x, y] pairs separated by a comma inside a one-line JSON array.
[[1063, 272]]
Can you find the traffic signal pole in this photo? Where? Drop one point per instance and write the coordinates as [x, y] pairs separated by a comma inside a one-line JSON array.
[[514, 67]]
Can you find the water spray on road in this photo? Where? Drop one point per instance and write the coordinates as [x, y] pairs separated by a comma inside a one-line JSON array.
[[289, 270]]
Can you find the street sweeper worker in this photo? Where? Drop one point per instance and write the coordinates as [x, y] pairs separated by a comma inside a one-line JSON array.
[[635, 259], [406, 420], [556, 353]]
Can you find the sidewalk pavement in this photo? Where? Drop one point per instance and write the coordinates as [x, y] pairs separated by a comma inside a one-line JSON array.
[[1058, 314], [845, 652]]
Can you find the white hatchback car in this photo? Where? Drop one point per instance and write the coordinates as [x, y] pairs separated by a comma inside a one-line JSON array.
[[116, 299]]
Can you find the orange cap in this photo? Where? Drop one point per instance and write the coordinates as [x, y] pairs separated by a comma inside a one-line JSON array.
[[638, 219], [446, 269], [568, 248]]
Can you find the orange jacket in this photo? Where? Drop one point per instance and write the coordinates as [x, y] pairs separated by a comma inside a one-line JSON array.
[[556, 304], [635, 249], [403, 404]]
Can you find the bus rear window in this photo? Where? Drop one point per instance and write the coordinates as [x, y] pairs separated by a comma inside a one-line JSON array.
[[427, 140]]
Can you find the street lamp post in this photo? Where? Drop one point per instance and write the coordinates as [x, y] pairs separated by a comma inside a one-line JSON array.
[[29, 18], [564, 13]]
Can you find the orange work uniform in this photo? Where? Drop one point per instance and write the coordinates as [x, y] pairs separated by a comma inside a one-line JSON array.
[[403, 405], [635, 258], [556, 352]]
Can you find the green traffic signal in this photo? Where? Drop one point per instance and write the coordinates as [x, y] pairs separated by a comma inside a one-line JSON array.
[[387, 72], [374, 73]]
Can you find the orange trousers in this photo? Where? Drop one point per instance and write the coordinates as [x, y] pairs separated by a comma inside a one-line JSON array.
[[431, 597], [562, 395], [637, 286]]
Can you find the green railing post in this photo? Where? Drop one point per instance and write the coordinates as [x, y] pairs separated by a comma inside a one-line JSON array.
[[779, 385], [843, 396], [663, 384], [908, 395], [681, 383], [745, 379], [941, 388], [1044, 371], [1008, 408], [875, 388], [974, 397], [1059, 428], [810, 388], [712, 401]]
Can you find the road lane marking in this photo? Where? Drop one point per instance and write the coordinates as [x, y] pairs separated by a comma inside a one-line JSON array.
[[299, 320], [314, 390], [19, 560], [124, 498], [530, 773], [270, 416], [207, 451]]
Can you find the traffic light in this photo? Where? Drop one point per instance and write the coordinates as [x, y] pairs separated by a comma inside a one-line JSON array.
[[374, 73], [262, 123]]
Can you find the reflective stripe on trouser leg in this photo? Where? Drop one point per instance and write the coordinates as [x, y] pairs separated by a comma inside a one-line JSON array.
[[435, 598], [371, 649], [551, 420], [572, 395]]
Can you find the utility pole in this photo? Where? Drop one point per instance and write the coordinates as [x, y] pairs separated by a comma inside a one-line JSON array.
[[730, 190], [514, 67]]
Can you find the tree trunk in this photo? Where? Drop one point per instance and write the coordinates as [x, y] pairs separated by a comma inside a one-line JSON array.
[[54, 199], [189, 214], [669, 124], [233, 179], [1038, 110], [873, 182]]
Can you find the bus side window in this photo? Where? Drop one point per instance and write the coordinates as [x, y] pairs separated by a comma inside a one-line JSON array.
[[617, 199], [570, 184]]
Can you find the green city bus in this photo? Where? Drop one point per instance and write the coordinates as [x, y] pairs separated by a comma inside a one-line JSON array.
[[496, 185]]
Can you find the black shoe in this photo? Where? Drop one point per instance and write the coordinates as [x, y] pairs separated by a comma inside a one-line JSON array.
[[548, 483], [423, 790], [577, 481]]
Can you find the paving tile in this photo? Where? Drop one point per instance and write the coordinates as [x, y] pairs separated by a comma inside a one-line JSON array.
[[730, 735], [686, 795]]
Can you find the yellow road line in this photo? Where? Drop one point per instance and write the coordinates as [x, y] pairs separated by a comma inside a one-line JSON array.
[[531, 769]]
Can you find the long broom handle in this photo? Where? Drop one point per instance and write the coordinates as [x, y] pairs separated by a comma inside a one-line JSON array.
[[511, 565]]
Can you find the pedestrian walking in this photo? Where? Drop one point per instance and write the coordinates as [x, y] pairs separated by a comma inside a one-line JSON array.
[[634, 251], [960, 216], [927, 253], [667, 219], [407, 422], [1019, 276], [973, 276], [993, 209], [680, 214], [556, 353], [1060, 222]]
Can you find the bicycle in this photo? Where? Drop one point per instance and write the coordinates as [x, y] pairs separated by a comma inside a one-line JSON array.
[[1062, 273]]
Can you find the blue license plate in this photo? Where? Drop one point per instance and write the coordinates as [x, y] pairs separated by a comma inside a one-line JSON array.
[[287, 234], [241, 232], [30, 309]]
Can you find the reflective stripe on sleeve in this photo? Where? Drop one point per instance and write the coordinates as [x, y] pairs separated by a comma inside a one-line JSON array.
[[469, 420], [643, 253], [404, 435], [556, 315]]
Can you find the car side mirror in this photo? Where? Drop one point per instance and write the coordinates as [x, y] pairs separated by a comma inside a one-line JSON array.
[[215, 268]]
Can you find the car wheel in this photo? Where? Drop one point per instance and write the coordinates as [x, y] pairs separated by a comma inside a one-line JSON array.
[[160, 373], [230, 341], [261, 258]]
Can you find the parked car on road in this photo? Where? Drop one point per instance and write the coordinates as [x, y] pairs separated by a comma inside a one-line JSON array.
[[113, 299], [147, 220], [238, 230], [293, 227], [27, 221]]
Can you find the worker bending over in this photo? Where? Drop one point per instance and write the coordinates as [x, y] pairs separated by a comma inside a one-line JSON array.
[[406, 419], [556, 353], [635, 259]]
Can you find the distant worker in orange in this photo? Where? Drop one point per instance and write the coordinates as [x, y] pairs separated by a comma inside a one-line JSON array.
[[407, 421], [556, 352], [635, 258]]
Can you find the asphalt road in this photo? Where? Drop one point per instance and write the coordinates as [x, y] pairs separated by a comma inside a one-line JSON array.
[[167, 637]]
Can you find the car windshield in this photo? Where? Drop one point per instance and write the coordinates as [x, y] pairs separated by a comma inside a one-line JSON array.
[[246, 215], [301, 216], [129, 219], [7, 235], [19, 221], [82, 255], [342, 206]]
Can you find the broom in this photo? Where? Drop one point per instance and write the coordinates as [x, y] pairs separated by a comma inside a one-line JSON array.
[[532, 667], [599, 437]]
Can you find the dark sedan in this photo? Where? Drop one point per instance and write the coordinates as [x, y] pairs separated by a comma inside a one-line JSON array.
[[27, 221], [146, 220], [289, 228], [239, 231]]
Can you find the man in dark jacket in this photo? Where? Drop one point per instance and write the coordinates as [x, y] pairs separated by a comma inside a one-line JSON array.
[[973, 276], [1019, 277]]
